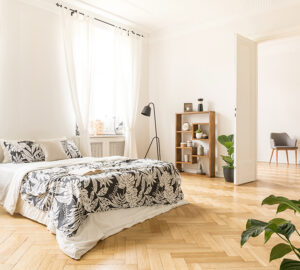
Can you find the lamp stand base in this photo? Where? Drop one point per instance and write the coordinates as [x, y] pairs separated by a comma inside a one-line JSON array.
[[157, 147]]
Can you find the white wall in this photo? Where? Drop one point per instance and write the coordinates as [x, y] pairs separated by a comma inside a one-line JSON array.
[[142, 122], [188, 62], [34, 94], [188, 67], [278, 93]]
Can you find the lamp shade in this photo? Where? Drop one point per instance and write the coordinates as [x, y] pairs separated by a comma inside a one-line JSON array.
[[146, 111]]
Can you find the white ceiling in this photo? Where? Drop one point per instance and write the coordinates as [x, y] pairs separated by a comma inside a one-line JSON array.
[[154, 15]]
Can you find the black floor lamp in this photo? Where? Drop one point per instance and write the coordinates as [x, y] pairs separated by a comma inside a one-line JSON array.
[[147, 112]]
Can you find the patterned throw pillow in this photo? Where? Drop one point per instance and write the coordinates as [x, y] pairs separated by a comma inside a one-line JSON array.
[[71, 149], [22, 151]]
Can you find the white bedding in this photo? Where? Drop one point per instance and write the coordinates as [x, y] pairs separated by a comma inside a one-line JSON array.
[[96, 227], [7, 171]]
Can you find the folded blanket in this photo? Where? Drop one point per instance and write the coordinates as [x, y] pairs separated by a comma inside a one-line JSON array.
[[85, 171], [70, 197]]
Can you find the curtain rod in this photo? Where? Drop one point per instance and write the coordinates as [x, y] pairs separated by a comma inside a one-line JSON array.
[[108, 23]]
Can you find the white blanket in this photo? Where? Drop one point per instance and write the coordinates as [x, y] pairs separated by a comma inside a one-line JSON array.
[[12, 195], [97, 226]]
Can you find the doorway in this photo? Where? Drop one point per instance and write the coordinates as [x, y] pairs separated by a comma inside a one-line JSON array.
[[278, 96], [267, 94]]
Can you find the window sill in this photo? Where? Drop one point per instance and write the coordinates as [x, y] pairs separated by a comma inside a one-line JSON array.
[[107, 136]]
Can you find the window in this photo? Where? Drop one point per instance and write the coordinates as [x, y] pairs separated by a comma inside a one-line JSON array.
[[106, 107]]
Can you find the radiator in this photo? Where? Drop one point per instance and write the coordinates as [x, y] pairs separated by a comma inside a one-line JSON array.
[[96, 149], [103, 146]]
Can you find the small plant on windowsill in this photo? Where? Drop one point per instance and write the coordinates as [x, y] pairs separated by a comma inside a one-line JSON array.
[[277, 226], [228, 169]]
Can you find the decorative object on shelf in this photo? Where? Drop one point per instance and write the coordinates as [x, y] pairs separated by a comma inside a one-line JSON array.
[[200, 150], [200, 105], [188, 107], [228, 169], [183, 144], [189, 143], [206, 152], [204, 135], [97, 127], [147, 112], [185, 126], [186, 158], [198, 133], [77, 132], [119, 127], [201, 169]]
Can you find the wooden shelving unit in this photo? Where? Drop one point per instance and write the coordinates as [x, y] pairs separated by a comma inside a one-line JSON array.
[[193, 151]]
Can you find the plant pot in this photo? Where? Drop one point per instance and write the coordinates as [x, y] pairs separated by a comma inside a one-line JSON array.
[[199, 135], [228, 174]]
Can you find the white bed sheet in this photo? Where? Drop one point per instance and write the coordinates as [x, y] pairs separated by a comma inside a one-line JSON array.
[[7, 171], [97, 226]]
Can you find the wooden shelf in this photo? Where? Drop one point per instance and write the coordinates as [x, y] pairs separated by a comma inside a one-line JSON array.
[[200, 156], [209, 128], [184, 131], [182, 162], [182, 113]]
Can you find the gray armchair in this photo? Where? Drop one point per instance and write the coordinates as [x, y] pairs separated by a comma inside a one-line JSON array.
[[282, 141]]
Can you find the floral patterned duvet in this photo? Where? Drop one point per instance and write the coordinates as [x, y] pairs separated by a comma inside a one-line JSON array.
[[69, 198]]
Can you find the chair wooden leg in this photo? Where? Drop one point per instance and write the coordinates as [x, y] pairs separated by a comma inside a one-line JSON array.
[[287, 156], [276, 156], [271, 156], [296, 162]]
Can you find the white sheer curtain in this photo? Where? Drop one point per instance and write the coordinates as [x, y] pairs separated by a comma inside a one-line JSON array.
[[128, 64], [78, 34]]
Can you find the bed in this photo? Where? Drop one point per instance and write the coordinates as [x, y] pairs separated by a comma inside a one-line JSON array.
[[84, 200]]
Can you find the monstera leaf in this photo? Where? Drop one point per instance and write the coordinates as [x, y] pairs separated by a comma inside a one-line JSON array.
[[283, 202], [288, 264], [279, 251], [253, 229], [277, 226]]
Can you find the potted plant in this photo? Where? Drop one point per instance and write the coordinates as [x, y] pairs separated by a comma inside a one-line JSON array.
[[278, 227], [228, 169], [198, 133]]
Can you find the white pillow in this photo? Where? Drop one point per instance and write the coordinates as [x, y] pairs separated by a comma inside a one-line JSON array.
[[53, 150]]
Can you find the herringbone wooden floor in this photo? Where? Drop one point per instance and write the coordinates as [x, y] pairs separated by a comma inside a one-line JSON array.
[[202, 235]]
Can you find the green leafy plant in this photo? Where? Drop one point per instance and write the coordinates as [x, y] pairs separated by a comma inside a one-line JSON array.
[[198, 131], [228, 142], [277, 226]]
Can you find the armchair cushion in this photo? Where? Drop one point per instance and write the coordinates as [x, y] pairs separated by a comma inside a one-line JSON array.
[[282, 140]]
